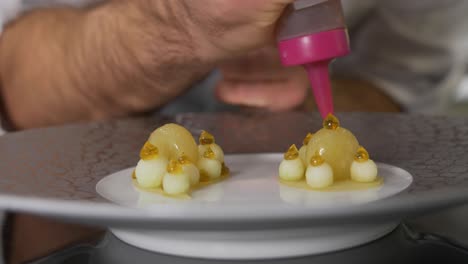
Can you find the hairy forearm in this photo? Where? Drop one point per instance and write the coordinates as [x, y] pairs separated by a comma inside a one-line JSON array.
[[63, 65]]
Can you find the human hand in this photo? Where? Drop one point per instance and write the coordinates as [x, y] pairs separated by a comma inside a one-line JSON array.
[[227, 28], [122, 57], [223, 32], [259, 80]]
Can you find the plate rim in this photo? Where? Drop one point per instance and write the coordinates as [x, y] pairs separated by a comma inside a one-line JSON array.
[[109, 214]]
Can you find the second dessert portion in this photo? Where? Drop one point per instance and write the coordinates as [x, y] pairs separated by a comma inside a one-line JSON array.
[[172, 164], [329, 158]]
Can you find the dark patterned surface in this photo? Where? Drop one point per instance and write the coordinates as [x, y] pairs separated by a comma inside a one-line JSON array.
[[67, 162]]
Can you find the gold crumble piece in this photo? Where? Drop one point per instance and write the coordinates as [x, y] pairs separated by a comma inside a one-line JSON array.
[[361, 155], [184, 159], [224, 169], [174, 167], [209, 154], [317, 160], [206, 138], [149, 151], [331, 122], [292, 153]]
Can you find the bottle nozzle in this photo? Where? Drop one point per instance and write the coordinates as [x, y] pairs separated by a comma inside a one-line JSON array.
[[320, 81], [313, 33]]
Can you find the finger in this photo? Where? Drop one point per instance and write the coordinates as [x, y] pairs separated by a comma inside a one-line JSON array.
[[275, 96], [260, 64]]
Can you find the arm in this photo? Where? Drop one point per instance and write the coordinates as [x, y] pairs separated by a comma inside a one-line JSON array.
[[62, 65]]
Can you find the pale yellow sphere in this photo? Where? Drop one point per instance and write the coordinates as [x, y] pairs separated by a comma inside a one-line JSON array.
[[338, 147], [173, 141], [303, 155]]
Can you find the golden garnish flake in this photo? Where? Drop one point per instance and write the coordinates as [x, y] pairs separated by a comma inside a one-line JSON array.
[[292, 153], [331, 122], [206, 138]]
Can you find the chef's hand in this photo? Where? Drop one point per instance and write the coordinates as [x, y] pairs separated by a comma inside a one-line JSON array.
[[229, 28], [122, 57], [259, 80]]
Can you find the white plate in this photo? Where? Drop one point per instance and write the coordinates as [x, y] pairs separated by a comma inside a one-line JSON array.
[[54, 171], [252, 189], [253, 185]]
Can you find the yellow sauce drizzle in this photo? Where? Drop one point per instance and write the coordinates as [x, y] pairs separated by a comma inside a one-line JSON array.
[[206, 138], [185, 196], [209, 154], [204, 176], [207, 182], [292, 153], [331, 122], [160, 191], [339, 186], [225, 169], [149, 151], [174, 167], [184, 159]]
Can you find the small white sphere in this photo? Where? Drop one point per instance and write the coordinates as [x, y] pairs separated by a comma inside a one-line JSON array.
[[291, 170], [210, 167], [192, 171], [303, 154], [149, 173], [319, 177], [218, 151], [364, 171], [174, 184]]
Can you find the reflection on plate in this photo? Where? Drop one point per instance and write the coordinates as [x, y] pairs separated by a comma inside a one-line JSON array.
[[254, 182]]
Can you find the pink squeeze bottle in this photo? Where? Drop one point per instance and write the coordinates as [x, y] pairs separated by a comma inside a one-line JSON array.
[[312, 33]]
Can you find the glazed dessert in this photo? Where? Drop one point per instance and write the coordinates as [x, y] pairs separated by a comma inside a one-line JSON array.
[[172, 164], [330, 159]]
